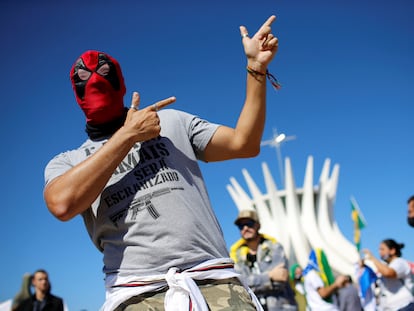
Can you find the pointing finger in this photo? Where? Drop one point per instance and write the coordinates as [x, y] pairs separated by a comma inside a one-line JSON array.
[[269, 21], [163, 103], [266, 27]]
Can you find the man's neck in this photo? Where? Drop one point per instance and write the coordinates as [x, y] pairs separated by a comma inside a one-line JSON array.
[[40, 295], [253, 244]]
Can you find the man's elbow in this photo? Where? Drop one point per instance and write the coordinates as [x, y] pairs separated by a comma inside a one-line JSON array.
[[254, 152], [57, 203], [57, 207], [60, 211]]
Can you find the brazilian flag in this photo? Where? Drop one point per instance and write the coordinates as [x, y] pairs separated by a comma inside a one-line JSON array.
[[319, 262], [359, 223]]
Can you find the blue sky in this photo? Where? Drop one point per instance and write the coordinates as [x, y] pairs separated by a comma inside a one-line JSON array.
[[347, 73]]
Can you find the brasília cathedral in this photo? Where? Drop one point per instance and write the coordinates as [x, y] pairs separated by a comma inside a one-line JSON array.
[[301, 219]]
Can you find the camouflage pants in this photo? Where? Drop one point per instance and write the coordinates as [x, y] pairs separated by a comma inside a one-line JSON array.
[[220, 295]]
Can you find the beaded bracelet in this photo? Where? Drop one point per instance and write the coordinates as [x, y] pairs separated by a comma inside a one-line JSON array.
[[275, 83]]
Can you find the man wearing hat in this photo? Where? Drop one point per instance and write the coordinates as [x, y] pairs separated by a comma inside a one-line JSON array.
[[262, 262]]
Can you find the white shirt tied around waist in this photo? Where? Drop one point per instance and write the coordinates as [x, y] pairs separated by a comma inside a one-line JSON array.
[[181, 286]]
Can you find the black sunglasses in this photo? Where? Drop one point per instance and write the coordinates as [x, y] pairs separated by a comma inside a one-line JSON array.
[[248, 223]]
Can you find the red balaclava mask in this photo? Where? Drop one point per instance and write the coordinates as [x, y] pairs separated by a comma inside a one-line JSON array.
[[99, 87]]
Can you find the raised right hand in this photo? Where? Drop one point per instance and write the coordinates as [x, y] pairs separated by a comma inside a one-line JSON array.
[[145, 123]]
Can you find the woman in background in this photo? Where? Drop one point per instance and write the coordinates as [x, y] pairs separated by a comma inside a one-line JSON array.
[[395, 280]]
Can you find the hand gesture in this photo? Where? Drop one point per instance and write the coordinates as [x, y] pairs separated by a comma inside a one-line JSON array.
[[262, 47], [279, 273], [145, 123]]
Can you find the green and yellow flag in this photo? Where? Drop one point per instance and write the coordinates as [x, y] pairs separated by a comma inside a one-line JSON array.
[[359, 222], [319, 262]]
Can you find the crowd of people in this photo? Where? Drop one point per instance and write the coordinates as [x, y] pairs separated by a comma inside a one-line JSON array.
[[137, 172], [261, 261], [263, 267]]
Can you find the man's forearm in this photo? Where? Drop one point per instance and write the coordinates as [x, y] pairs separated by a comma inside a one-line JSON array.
[[74, 192], [327, 291], [251, 121]]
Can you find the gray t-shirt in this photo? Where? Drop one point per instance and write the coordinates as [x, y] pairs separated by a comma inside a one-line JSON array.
[[154, 212]]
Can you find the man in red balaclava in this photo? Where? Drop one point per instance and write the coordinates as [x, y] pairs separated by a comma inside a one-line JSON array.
[[99, 87], [138, 186]]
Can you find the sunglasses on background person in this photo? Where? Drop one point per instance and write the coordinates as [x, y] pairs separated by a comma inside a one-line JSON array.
[[248, 223]]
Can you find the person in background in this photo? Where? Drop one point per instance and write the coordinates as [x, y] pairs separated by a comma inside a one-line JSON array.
[[348, 297], [395, 277], [42, 299], [261, 261], [296, 282], [24, 293], [410, 214], [137, 183], [320, 285]]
